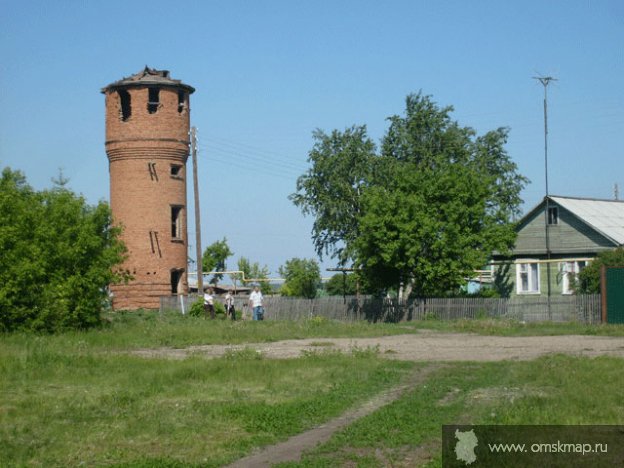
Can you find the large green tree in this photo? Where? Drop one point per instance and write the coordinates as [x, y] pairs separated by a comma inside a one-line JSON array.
[[341, 167], [58, 257], [302, 277], [214, 259], [431, 207]]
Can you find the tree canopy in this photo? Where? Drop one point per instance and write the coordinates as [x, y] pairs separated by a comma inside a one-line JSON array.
[[302, 277], [58, 257], [589, 278], [214, 259], [253, 271], [425, 211]]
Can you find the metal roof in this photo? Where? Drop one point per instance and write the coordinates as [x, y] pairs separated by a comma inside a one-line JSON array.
[[605, 216], [146, 77]]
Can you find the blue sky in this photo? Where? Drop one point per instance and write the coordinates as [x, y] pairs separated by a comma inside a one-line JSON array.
[[267, 73]]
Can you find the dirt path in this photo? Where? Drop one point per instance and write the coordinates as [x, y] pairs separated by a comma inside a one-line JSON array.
[[291, 449], [424, 346]]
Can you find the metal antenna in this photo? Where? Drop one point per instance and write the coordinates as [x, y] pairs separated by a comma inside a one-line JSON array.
[[545, 80]]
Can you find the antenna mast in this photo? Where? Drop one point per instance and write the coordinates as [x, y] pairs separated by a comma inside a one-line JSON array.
[[545, 80]]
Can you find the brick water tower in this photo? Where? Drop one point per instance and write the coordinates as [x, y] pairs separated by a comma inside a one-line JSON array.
[[147, 144]]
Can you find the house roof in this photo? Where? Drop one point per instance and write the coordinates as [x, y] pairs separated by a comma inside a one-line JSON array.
[[605, 216], [146, 77]]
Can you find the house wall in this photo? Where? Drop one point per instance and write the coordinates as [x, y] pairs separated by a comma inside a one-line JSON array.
[[570, 236], [570, 240]]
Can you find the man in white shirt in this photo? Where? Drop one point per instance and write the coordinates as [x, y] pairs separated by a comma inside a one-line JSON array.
[[255, 302]]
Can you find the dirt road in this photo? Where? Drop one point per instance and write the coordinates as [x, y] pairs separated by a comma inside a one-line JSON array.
[[425, 346]]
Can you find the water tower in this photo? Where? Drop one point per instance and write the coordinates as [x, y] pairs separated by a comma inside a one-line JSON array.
[[147, 144]]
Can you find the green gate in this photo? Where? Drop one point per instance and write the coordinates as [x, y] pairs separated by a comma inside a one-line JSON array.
[[613, 294]]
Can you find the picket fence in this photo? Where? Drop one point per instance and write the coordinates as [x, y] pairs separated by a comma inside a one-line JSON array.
[[573, 308]]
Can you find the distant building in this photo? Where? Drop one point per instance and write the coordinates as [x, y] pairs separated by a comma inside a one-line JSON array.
[[578, 229], [147, 144]]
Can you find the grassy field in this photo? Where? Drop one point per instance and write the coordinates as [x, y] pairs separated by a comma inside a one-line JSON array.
[[73, 398], [551, 390]]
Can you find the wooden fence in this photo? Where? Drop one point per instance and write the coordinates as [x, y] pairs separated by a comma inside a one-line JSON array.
[[584, 309]]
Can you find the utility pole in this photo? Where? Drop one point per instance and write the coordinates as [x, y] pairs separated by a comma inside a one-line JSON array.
[[199, 266], [616, 191], [545, 80]]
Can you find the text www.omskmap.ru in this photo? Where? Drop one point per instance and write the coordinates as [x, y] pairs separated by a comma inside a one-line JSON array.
[[558, 447]]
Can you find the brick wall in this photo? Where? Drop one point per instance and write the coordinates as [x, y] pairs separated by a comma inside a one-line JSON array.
[[147, 163]]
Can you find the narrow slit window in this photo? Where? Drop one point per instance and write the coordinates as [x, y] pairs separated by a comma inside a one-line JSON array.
[[176, 222], [181, 101], [153, 100], [125, 108]]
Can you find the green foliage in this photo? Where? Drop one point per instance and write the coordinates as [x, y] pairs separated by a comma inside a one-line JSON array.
[[342, 165], [303, 277], [197, 309], [58, 256], [348, 284], [425, 212], [214, 259], [589, 278], [253, 271]]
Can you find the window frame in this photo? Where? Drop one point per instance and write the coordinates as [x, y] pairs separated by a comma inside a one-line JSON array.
[[176, 223], [533, 280]]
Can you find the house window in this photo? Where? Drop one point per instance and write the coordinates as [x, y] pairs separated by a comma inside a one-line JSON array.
[[153, 100], [553, 215], [527, 278], [176, 171], [176, 222], [569, 274], [125, 108]]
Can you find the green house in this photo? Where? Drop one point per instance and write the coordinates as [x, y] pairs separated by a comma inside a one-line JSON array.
[[556, 240]]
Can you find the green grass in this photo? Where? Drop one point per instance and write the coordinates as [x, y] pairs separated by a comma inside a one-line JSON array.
[[62, 409], [132, 330], [74, 397], [551, 390]]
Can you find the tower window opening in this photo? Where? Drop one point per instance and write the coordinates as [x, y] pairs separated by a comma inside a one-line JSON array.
[[153, 100], [176, 171], [125, 107], [176, 280], [181, 101], [176, 222]]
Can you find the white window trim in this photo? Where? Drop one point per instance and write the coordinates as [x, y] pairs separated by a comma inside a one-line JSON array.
[[534, 289], [566, 271]]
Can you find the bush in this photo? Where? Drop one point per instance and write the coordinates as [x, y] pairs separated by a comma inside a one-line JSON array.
[[58, 256], [197, 309]]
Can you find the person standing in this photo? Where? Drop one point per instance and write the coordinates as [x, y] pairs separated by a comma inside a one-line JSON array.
[[255, 303], [229, 305], [209, 303]]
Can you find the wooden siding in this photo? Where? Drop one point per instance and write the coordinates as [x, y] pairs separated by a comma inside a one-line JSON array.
[[570, 236]]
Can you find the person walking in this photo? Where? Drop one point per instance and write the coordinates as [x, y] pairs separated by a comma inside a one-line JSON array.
[[255, 303], [209, 303], [229, 305]]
